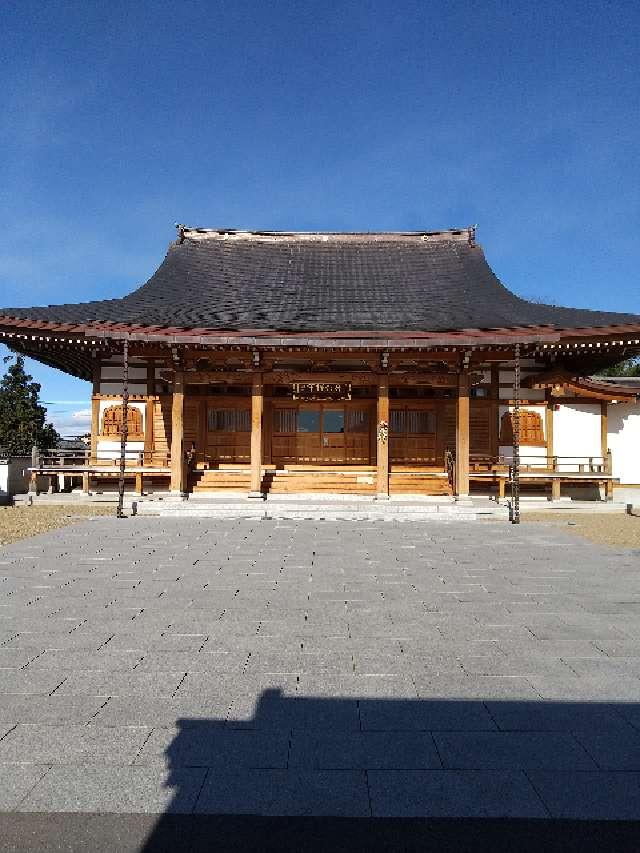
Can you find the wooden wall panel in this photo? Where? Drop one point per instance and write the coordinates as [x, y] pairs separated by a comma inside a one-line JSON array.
[[481, 427], [161, 429]]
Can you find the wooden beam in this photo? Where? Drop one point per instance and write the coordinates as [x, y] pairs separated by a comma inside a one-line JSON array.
[[462, 436], [210, 377], [257, 406], [382, 455], [177, 435], [287, 377]]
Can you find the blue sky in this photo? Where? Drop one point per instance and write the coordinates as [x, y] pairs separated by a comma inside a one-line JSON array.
[[119, 119]]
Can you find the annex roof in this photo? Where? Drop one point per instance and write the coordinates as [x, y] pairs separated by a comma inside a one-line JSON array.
[[292, 282]]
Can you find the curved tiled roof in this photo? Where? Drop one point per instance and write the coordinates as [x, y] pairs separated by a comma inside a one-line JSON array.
[[229, 280]]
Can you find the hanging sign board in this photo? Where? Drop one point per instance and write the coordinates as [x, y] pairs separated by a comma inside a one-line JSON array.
[[321, 390]]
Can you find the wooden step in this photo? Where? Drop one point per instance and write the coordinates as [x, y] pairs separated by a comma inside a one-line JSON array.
[[339, 482], [213, 481], [419, 484]]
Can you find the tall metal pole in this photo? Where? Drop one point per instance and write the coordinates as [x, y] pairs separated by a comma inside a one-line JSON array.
[[124, 428], [515, 481]]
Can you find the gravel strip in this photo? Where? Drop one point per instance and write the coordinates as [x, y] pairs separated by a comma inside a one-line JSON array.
[[602, 528], [21, 522]]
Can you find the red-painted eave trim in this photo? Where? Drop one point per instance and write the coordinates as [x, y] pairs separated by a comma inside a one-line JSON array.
[[529, 334]]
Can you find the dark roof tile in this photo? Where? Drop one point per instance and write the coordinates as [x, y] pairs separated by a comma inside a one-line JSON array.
[[323, 283]]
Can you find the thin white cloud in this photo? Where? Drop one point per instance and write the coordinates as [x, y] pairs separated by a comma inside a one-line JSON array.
[[71, 423]]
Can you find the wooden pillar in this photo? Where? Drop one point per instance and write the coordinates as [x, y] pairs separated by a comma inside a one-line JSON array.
[[148, 432], [178, 484], [548, 429], [604, 429], [382, 455], [604, 448], [494, 437], [257, 406], [203, 431], [148, 413], [95, 428], [462, 436]]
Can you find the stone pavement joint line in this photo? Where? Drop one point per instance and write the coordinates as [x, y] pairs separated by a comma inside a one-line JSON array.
[[300, 667]]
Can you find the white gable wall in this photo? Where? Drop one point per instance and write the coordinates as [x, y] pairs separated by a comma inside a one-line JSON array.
[[576, 432], [624, 441]]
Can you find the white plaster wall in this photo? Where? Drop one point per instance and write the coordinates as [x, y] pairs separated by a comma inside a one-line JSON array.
[[526, 450], [624, 440], [115, 372], [115, 388], [528, 368], [529, 393], [111, 376], [576, 432], [111, 449]]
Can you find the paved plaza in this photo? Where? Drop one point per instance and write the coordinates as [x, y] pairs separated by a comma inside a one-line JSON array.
[[319, 668]]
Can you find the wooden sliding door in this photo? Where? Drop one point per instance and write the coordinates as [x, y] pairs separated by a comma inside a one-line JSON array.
[[321, 433], [413, 434]]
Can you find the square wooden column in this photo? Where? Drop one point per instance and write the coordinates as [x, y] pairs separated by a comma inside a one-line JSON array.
[[604, 447], [257, 407], [462, 436], [382, 454], [548, 428], [178, 483], [95, 428]]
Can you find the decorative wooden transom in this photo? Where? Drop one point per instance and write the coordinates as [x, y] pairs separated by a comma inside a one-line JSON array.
[[112, 423], [531, 429]]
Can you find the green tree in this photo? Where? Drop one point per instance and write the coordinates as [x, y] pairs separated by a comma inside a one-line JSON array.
[[630, 367], [22, 415]]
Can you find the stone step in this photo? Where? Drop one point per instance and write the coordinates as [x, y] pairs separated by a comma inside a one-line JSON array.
[[312, 516], [276, 509]]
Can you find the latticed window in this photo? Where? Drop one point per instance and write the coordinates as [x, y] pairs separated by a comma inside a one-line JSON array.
[[285, 420], [412, 422], [357, 420], [112, 422], [229, 420], [531, 429]]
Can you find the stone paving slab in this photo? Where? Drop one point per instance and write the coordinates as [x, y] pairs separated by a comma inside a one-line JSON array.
[[464, 793], [73, 744], [115, 789], [319, 668]]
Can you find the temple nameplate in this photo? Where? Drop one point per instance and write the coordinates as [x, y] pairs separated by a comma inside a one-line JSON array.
[[321, 390]]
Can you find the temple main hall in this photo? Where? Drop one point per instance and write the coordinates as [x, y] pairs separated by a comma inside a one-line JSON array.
[[379, 364]]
